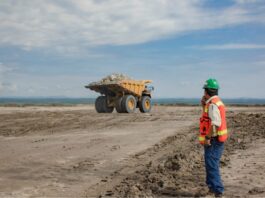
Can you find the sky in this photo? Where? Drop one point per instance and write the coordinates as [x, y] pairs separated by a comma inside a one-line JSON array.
[[53, 48]]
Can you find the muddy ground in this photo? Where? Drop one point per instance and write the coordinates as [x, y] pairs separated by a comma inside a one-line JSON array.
[[75, 152]]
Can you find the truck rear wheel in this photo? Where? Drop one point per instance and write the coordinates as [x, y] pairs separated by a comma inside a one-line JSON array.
[[98, 104], [101, 105], [118, 105], [145, 104], [128, 104]]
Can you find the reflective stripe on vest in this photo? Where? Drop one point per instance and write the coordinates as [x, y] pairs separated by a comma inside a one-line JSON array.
[[219, 103], [223, 132], [201, 138]]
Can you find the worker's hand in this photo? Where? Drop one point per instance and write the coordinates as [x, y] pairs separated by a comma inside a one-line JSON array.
[[207, 142], [203, 101]]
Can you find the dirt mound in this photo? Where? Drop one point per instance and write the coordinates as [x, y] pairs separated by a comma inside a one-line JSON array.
[[245, 128], [172, 175], [181, 172]]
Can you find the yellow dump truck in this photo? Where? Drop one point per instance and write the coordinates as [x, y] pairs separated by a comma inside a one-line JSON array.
[[123, 95]]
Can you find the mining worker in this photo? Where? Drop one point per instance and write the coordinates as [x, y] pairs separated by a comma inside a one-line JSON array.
[[213, 134]]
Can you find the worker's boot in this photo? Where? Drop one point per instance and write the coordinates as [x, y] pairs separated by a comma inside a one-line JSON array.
[[218, 195], [210, 194]]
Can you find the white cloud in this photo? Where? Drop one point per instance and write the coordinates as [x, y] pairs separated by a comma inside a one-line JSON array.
[[248, 1], [231, 46], [85, 23], [63, 85], [5, 69], [1, 87], [260, 63], [7, 87]]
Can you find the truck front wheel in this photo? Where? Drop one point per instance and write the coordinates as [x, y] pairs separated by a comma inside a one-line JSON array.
[[145, 104]]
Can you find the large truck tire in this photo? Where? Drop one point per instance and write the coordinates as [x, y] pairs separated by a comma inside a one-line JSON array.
[[128, 104], [105, 106], [118, 105], [101, 105], [98, 104], [145, 105]]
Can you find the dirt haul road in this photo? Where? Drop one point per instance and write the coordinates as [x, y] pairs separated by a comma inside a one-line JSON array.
[[76, 152]]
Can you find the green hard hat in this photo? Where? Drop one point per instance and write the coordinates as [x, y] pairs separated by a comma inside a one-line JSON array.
[[211, 83]]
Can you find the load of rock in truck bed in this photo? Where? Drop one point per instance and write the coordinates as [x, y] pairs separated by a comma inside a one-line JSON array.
[[110, 79], [122, 93]]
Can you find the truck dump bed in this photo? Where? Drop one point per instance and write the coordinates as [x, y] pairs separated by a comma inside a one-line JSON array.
[[133, 87]]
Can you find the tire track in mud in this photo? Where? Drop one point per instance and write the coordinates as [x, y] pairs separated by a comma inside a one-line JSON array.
[[46, 122]]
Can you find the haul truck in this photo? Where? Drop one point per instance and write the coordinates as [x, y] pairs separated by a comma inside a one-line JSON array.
[[125, 96]]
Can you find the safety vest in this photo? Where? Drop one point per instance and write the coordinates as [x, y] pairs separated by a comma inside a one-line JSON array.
[[205, 121]]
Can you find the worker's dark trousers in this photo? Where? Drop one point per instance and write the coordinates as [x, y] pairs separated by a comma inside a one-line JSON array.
[[212, 156]]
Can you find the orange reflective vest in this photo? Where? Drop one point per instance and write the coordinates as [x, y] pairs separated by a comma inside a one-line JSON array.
[[205, 122]]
